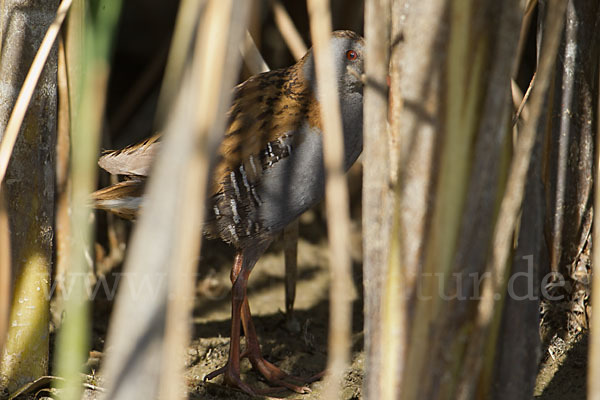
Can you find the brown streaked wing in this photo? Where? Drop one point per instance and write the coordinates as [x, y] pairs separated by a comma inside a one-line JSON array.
[[265, 107]]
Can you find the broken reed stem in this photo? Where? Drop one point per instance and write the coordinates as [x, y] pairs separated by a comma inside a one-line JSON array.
[[523, 101], [511, 203], [252, 57], [593, 378], [336, 198], [288, 30], [20, 108]]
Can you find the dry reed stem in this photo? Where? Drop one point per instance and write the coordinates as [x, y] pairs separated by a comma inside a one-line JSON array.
[[383, 311], [252, 57], [210, 62], [593, 377], [187, 16], [256, 64], [5, 271], [87, 72], [511, 204], [290, 252], [523, 102], [64, 119], [63, 180], [288, 30], [144, 360], [298, 48], [530, 6], [336, 199], [523, 35], [20, 108]]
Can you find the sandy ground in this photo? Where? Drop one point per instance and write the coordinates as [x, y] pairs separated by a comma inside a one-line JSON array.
[[303, 351], [299, 349], [299, 352], [563, 370]]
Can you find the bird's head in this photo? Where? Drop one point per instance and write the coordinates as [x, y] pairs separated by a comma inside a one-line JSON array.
[[348, 52], [348, 58]]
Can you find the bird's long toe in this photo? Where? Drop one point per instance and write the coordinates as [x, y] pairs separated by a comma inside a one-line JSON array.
[[277, 377], [233, 379]]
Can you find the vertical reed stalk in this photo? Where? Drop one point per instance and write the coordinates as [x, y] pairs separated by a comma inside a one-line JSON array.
[[9, 136], [207, 122], [383, 316], [28, 29], [5, 271], [288, 30], [593, 378], [149, 330], [336, 199], [493, 289], [94, 47]]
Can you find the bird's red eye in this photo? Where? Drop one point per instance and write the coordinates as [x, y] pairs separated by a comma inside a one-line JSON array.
[[351, 55]]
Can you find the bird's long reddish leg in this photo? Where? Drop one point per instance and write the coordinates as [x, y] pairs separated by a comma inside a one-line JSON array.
[[240, 272], [231, 370], [273, 374]]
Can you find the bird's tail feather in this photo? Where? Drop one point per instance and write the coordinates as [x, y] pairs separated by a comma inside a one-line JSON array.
[[123, 199]]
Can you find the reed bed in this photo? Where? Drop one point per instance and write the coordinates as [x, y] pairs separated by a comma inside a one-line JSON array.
[[475, 196]]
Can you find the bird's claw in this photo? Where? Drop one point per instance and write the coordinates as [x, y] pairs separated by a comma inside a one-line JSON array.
[[271, 373]]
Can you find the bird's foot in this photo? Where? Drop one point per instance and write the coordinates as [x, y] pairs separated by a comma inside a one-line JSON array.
[[232, 378], [275, 376]]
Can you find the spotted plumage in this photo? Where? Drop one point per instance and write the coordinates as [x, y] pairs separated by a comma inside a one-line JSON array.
[[269, 170], [265, 123]]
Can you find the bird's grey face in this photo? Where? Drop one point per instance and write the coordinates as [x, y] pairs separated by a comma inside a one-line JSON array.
[[348, 55], [349, 63]]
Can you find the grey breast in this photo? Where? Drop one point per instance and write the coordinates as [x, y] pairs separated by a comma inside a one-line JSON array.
[[293, 184], [352, 122], [296, 183]]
